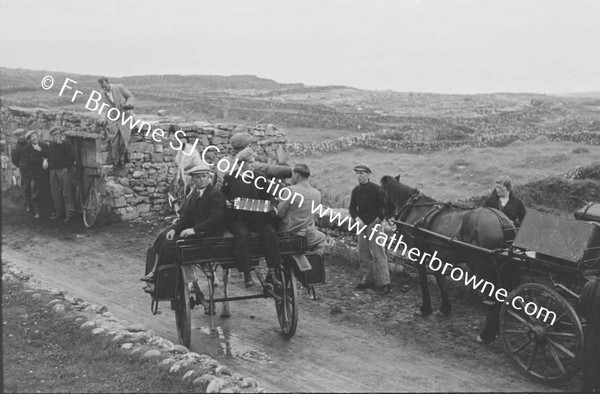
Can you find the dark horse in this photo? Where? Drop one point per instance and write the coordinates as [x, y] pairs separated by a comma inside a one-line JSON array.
[[484, 227]]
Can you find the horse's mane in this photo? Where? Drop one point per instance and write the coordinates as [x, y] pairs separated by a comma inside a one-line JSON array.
[[395, 189]]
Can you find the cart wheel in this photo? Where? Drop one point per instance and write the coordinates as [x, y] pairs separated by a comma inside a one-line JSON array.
[[549, 351], [287, 307], [183, 314], [91, 208]]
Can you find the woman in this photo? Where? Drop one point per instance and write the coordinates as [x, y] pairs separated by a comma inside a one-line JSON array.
[[503, 198]]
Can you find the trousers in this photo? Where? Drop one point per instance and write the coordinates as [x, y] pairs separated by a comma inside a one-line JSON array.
[[373, 259], [243, 238], [61, 188]]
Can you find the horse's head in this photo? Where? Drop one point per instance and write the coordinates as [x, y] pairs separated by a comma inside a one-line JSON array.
[[395, 195]]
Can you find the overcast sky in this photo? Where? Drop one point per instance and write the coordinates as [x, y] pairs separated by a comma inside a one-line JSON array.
[[454, 46]]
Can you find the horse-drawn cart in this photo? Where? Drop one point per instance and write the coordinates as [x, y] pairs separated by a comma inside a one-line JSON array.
[[204, 255], [559, 255]]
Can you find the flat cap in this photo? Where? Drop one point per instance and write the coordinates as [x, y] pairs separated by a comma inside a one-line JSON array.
[[301, 169], [55, 130], [30, 133], [245, 154], [18, 132], [197, 169], [363, 167], [241, 140]]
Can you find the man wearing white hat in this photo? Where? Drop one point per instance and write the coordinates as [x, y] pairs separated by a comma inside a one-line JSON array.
[[202, 215]]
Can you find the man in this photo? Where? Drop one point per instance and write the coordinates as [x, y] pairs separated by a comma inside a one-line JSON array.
[[60, 161], [366, 207], [202, 215], [17, 155], [117, 96], [240, 223], [34, 153], [589, 308], [295, 214]]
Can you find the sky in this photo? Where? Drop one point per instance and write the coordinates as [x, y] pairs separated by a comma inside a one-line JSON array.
[[453, 46]]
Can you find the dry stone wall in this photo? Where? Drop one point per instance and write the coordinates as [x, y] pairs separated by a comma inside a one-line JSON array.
[[139, 190]]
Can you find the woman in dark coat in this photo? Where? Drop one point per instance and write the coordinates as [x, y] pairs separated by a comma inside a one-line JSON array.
[[503, 198]]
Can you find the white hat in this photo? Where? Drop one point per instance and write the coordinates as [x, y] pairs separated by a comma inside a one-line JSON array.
[[198, 169]]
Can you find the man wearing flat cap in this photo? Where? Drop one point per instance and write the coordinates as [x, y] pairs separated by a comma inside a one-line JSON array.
[[35, 152], [201, 216], [296, 214], [117, 96], [60, 161], [366, 207], [19, 159]]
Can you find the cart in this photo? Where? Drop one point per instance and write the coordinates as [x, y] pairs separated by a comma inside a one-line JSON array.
[[204, 255], [559, 255]]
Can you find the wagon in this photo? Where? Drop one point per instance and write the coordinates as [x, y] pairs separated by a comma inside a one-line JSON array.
[[559, 255], [203, 255]]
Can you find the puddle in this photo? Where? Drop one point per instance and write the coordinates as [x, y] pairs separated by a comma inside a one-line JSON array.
[[231, 346]]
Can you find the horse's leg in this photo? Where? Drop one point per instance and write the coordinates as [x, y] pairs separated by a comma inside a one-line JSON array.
[[225, 308], [425, 309], [446, 306]]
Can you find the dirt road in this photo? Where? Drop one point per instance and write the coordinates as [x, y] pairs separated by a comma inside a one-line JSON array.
[[328, 353]]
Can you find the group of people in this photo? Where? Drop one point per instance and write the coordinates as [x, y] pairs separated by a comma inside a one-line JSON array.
[[207, 209], [46, 171]]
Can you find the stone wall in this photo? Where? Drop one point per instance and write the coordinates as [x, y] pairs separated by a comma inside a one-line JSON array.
[[139, 190]]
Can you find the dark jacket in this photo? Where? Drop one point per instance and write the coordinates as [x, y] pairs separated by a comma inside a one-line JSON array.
[[234, 187], [17, 155], [514, 208], [366, 202], [589, 308], [204, 214], [60, 156], [35, 159]]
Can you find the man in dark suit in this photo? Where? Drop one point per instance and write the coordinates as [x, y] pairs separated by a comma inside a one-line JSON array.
[[120, 98], [202, 215]]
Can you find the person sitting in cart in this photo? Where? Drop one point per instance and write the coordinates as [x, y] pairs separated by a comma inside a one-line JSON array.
[[589, 308], [202, 215], [296, 216], [239, 222], [504, 199]]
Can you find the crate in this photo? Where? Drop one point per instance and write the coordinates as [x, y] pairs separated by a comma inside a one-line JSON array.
[[165, 287], [313, 276]]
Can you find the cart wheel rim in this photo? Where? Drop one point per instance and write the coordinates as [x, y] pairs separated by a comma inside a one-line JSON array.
[[287, 307], [550, 353], [183, 317], [91, 208]]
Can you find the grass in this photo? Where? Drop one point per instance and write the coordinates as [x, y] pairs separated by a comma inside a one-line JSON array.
[[45, 352], [452, 174]]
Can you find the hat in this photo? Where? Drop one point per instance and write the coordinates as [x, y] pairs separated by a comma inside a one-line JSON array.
[[246, 154], [197, 169], [241, 140], [363, 167], [55, 130], [302, 169], [29, 133], [18, 132]]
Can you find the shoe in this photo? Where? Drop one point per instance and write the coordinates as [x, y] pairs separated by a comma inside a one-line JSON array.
[[68, 219], [384, 290], [364, 285], [149, 288], [272, 280], [148, 277], [479, 339], [248, 281]]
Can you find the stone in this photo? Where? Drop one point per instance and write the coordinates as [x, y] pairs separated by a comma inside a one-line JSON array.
[[203, 380], [58, 308], [153, 353], [189, 376], [178, 366], [237, 376], [223, 370], [108, 315], [216, 385], [54, 301], [98, 330], [88, 324], [36, 296], [168, 361], [127, 346], [249, 382], [135, 328], [179, 349]]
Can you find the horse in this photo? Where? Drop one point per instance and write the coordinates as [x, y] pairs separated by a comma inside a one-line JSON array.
[[484, 227]]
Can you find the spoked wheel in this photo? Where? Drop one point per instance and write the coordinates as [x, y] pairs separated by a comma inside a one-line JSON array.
[[91, 208], [183, 314], [549, 351], [287, 307]]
